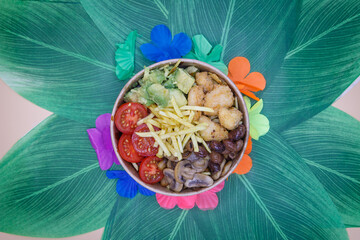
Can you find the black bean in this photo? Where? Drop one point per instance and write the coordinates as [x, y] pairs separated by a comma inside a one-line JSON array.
[[232, 155], [214, 167], [239, 145], [216, 157], [237, 133], [217, 146], [229, 145], [202, 152]]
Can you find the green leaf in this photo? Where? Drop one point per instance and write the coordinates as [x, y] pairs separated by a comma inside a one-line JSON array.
[[124, 57], [143, 218], [202, 52], [53, 55], [51, 184], [322, 62], [258, 30], [329, 144], [116, 19], [279, 199]]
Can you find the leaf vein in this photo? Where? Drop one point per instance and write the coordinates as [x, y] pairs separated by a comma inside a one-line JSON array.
[[314, 39], [162, 8], [262, 205], [226, 28], [178, 224], [63, 51], [68, 178]]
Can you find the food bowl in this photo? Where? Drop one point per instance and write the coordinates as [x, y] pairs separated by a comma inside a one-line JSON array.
[[115, 134]]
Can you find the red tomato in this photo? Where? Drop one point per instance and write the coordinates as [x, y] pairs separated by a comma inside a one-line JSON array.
[[127, 151], [128, 115], [149, 171], [144, 146]]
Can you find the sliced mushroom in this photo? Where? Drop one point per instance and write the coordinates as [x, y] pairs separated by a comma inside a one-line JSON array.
[[183, 171], [173, 184], [200, 165], [173, 158], [189, 146], [191, 156], [199, 180], [217, 175], [171, 164], [162, 164], [164, 182], [226, 168]]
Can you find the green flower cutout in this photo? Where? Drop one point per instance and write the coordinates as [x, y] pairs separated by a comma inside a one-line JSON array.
[[125, 56], [203, 51], [259, 124]]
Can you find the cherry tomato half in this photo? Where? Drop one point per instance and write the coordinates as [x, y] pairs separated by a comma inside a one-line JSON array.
[[149, 171], [144, 146], [128, 115], [127, 151]]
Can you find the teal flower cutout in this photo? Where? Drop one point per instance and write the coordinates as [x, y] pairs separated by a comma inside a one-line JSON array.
[[203, 51], [125, 56]]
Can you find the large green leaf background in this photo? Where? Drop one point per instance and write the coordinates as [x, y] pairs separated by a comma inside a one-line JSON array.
[[278, 192], [60, 55], [51, 184]]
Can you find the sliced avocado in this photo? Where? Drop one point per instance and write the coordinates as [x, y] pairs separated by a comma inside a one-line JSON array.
[[184, 81], [180, 98], [159, 94], [153, 76], [170, 83], [138, 95]]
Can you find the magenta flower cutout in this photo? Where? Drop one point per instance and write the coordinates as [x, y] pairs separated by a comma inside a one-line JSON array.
[[101, 141], [205, 201]]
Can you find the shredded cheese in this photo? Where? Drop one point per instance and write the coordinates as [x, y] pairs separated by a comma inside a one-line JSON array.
[[197, 108]]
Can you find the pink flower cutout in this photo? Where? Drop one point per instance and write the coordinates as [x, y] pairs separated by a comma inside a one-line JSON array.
[[205, 201]]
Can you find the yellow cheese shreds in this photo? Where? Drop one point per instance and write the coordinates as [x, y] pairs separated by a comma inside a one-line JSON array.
[[146, 134], [153, 122], [191, 116], [186, 113], [158, 139], [186, 139], [178, 119], [172, 150], [174, 143], [200, 140], [160, 153], [141, 121], [197, 108], [178, 138], [194, 142], [236, 103], [176, 107], [186, 131]]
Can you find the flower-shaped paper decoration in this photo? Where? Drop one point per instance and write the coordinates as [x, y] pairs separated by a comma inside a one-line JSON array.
[[203, 51], [245, 164], [126, 186], [239, 69], [164, 47], [125, 56], [259, 124], [101, 141], [205, 201]]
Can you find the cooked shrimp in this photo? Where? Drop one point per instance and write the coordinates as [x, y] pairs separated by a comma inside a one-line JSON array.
[[203, 79], [220, 96], [214, 131], [196, 98], [230, 118]]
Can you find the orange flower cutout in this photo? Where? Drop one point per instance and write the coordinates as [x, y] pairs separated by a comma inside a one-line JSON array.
[[239, 69], [245, 163]]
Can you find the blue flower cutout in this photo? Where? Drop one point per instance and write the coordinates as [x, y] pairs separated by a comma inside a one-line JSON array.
[[126, 186], [163, 48]]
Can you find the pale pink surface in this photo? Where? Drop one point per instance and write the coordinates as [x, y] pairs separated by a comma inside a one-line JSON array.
[[205, 201]]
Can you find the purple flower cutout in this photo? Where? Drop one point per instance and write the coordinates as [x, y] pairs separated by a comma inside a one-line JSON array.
[[164, 47], [101, 141]]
